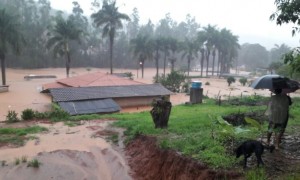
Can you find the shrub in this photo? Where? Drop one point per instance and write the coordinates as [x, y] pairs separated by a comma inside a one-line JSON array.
[[27, 114], [172, 81], [34, 163], [40, 115], [207, 83], [17, 161], [24, 159], [129, 75], [12, 117], [57, 113], [230, 80], [243, 81]]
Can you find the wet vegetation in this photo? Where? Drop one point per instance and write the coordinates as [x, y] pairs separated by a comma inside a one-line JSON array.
[[194, 130], [18, 136], [200, 131]]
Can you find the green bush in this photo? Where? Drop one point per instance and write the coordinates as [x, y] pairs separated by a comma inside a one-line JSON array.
[[172, 81], [12, 117], [230, 80], [27, 114], [41, 115], [58, 114], [34, 163], [129, 75], [243, 81]]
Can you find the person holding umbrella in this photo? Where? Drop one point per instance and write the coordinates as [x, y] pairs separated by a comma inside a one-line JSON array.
[[278, 116]]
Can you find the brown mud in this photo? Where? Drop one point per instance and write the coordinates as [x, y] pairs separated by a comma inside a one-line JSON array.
[[148, 161], [65, 153]]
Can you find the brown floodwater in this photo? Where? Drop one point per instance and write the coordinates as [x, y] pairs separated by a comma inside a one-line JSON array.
[[66, 153]]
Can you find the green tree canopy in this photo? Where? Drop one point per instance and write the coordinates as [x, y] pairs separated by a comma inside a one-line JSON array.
[[10, 38], [64, 31], [110, 19], [288, 11]]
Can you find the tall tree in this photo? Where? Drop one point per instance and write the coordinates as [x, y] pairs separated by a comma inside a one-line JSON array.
[[287, 11], [277, 52], [210, 34], [156, 44], [111, 19], [174, 48], [133, 25], [165, 47], [64, 31], [228, 48], [189, 51], [254, 56], [142, 49], [201, 38], [10, 37], [164, 28]]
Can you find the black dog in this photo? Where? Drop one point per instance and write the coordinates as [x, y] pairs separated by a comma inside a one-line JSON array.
[[250, 146]]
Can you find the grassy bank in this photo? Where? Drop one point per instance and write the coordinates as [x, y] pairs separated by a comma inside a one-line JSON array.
[[195, 130]]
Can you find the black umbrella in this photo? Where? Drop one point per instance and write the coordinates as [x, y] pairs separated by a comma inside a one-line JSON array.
[[292, 86], [271, 81]]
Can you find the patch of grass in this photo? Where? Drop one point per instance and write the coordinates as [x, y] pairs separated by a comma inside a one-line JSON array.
[[17, 161], [256, 174], [24, 159], [114, 138], [190, 131], [17, 136], [34, 163]]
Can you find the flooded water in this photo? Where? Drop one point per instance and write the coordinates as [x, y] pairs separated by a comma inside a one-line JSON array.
[[67, 153]]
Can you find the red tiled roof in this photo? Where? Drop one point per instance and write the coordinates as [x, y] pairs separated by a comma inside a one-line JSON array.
[[53, 85], [91, 79]]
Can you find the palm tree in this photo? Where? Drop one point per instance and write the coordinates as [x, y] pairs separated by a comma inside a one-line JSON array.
[[165, 49], [228, 48], [110, 19], [10, 35], [201, 38], [189, 51], [64, 31], [142, 49], [210, 32], [156, 44], [174, 47]]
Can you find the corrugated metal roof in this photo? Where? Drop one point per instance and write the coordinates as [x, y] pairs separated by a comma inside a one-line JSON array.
[[90, 106], [88, 93]]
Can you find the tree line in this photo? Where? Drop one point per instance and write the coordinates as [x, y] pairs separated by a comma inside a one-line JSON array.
[[109, 38]]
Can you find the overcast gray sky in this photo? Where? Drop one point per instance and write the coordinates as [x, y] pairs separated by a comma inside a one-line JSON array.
[[247, 19]]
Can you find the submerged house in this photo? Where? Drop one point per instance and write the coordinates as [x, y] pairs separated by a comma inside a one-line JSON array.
[[102, 93]]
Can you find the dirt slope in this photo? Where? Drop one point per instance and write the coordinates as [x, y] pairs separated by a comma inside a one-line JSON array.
[[148, 162]]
